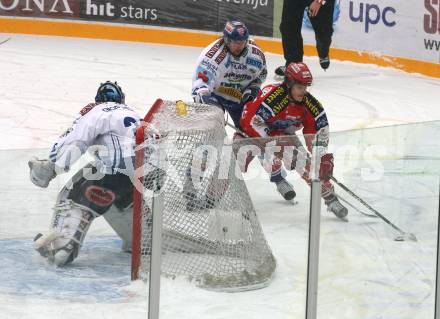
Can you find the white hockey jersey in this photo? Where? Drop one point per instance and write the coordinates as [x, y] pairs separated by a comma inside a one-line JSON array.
[[219, 72], [108, 127]]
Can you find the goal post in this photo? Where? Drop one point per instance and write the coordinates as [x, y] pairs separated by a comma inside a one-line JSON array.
[[210, 231]]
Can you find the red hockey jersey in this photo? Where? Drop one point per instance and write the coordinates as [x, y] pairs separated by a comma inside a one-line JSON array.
[[273, 114]]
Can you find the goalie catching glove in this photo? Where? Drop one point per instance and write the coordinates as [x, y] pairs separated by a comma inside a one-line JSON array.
[[41, 171]]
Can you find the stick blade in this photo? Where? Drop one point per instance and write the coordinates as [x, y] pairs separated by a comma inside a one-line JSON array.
[[406, 237]]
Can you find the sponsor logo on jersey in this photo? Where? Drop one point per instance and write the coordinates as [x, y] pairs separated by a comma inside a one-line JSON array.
[[289, 121], [277, 100], [237, 77], [258, 52], [99, 196], [254, 62], [209, 66], [86, 109], [233, 92], [264, 112], [211, 52], [111, 108], [313, 105], [219, 59], [236, 65], [278, 107]]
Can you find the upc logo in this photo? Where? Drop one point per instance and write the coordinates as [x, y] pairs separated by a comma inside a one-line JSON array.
[[372, 15]]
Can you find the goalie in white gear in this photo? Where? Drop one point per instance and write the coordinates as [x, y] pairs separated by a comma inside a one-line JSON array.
[[106, 128]]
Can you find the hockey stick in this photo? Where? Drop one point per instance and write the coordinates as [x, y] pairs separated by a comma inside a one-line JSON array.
[[4, 41], [403, 235], [355, 208]]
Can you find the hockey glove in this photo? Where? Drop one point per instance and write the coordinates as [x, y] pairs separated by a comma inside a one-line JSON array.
[[249, 95], [326, 167], [42, 171], [211, 100]]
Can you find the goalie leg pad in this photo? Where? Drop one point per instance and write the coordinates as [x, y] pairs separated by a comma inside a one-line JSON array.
[[69, 226]]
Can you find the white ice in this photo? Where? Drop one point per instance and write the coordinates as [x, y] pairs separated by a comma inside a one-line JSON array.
[[363, 272]]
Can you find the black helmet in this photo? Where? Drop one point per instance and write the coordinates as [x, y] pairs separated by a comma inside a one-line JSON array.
[[235, 31], [110, 92]]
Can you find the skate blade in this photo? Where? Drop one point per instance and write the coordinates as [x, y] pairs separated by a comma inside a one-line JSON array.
[[406, 237], [344, 219]]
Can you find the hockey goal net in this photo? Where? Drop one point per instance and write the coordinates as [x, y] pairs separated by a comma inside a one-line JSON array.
[[211, 233]]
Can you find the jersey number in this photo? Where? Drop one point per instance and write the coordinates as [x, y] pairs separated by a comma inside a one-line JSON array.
[[128, 121]]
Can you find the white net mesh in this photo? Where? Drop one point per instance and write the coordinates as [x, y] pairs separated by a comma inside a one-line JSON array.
[[211, 233]]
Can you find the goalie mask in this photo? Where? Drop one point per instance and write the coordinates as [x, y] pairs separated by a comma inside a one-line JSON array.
[[110, 92], [236, 36]]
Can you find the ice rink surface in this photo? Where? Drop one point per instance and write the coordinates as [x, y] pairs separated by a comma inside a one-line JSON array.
[[364, 274]]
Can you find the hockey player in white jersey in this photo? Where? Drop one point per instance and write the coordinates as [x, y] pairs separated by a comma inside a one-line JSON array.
[[106, 128], [229, 74], [230, 71]]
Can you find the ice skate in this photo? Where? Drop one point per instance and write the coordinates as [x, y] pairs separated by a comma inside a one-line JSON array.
[[286, 189], [335, 206], [324, 62]]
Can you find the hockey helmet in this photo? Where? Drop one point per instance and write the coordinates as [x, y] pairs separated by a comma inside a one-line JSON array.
[[110, 92], [235, 31], [297, 72]]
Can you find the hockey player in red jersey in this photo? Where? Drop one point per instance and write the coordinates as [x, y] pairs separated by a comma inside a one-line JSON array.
[[280, 111]]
